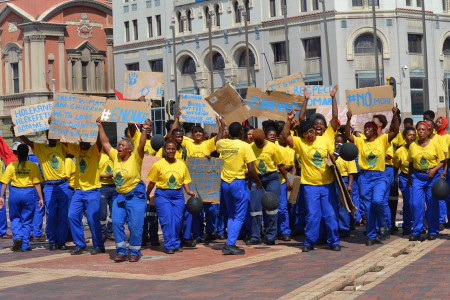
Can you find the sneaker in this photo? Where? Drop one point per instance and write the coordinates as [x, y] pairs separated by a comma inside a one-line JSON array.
[[413, 238], [221, 237], [286, 237], [232, 250], [211, 237], [26, 250], [169, 251], [371, 242], [336, 247], [78, 251], [189, 243], [17, 246], [52, 247], [179, 249], [62, 247], [306, 248], [441, 227], [431, 237], [269, 242], [97, 251], [252, 242]]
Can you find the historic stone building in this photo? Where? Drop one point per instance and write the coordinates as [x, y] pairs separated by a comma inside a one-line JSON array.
[[53, 46]]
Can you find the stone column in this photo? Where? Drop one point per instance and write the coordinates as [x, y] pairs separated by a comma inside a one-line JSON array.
[[110, 58], [27, 63], [78, 75], [62, 65], [69, 74], [7, 77], [101, 65], [20, 65], [92, 87], [37, 45]]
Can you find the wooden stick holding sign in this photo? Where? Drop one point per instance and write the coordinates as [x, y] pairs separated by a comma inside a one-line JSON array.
[[147, 84], [372, 99]]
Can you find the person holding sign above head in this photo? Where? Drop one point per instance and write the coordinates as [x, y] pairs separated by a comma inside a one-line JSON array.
[[25, 179], [317, 179], [170, 175], [234, 192], [371, 178], [426, 161], [87, 197], [129, 201], [57, 192]]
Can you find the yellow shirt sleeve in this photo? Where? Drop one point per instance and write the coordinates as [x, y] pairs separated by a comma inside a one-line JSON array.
[[153, 175], [7, 175], [187, 176], [248, 154], [352, 167]]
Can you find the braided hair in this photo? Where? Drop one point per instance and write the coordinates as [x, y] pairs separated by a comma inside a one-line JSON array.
[[22, 154]]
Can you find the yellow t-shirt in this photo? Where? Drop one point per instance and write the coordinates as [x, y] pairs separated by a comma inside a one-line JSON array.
[[398, 141], [51, 160], [401, 159], [424, 158], [235, 154], [390, 152], [372, 154], [22, 176], [70, 171], [148, 150], [267, 158], [346, 167], [87, 175], [127, 174], [178, 154], [441, 141], [202, 150], [169, 176], [186, 140], [105, 167], [288, 155]]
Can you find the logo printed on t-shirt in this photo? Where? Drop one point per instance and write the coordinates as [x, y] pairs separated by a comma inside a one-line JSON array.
[[372, 159], [83, 166], [54, 162], [172, 183], [424, 164], [118, 179], [262, 168], [317, 159]]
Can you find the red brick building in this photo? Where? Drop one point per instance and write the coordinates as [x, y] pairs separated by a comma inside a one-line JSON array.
[[53, 45]]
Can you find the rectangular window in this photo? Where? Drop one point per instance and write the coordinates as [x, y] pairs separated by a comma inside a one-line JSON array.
[[312, 48], [127, 31], [135, 30], [357, 2], [158, 25], [50, 74], [415, 43], [304, 5], [149, 4], [84, 76], [419, 3], [366, 79], [408, 2], [416, 84], [377, 2], [126, 9], [97, 76], [134, 7], [133, 67], [272, 7], [444, 5], [150, 26], [15, 73], [156, 65], [74, 76], [315, 4], [157, 2], [279, 51]]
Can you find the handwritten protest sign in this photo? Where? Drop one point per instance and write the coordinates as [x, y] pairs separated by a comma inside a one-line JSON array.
[[272, 105], [205, 175], [292, 195], [228, 103], [31, 118], [326, 112], [372, 99], [147, 84], [147, 164], [74, 118], [287, 84], [196, 110], [117, 111]]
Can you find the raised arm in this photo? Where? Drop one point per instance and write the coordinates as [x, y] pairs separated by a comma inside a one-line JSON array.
[[304, 104], [334, 108], [222, 125], [176, 123], [395, 124], [104, 141], [348, 134], [143, 140], [286, 133]]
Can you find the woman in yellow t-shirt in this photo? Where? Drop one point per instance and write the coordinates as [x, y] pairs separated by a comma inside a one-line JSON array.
[[170, 175], [129, 201], [25, 179], [426, 161], [317, 179], [371, 178], [401, 163]]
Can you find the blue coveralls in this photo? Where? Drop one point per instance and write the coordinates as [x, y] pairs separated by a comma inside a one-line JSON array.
[[38, 217], [389, 177], [212, 211], [406, 192], [129, 207], [192, 225], [170, 205], [234, 197], [21, 210], [106, 201], [88, 201], [345, 219], [421, 195], [3, 219], [271, 183], [444, 206], [283, 213]]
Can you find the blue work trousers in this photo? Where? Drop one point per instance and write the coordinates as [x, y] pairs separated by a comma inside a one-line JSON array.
[[389, 177], [283, 213], [192, 225], [344, 216], [355, 198], [38, 219], [106, 203], [406, 192], [21, 210], [3, 219], [170, 206], [211, 217]]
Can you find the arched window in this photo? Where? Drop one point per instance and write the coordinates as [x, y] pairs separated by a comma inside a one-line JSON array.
[[243, 61], [247, 9], [189, 20], [237, 13], [364, 44], [188, 66], [207, 16], [446, 48], [180, 23], [217, 11], [218, 62]]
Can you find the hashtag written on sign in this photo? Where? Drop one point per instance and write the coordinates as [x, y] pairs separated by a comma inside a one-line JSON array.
[[105, 115]]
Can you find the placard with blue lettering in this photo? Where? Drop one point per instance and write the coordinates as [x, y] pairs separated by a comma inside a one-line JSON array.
[[272, 105], [147, 84], [205, 175], [117, 111], [286, 84], [31, 118], [74, 118], [372, 99], [195, 109]]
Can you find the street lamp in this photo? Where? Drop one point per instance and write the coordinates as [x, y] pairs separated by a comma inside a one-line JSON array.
[[247, 50]]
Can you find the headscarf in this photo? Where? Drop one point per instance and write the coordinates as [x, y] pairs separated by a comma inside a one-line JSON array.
[[441, 129]]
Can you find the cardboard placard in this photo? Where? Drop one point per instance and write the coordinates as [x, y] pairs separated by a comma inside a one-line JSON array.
[[147, 84], [196, 110], [74, 118], [286, 84], [359, 120], [31, 118], [117, 111], [205, 175], [147, 165], [326, 112], [292, 195], [228, 103], [272, 105], [372, 99]]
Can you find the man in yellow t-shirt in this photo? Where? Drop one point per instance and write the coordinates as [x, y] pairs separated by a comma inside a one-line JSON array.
[[57, 192], [86, 197], [107, 190], [234, 192]]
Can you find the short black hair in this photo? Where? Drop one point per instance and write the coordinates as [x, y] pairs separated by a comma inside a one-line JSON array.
[[198, 128], [342, 136], [316, 116], [405, 131], [188, 126], [270, 129], [305, 125], [235, 129], [408, 120], [382, 119], [267, 124], [177, 130], [430, 113]]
